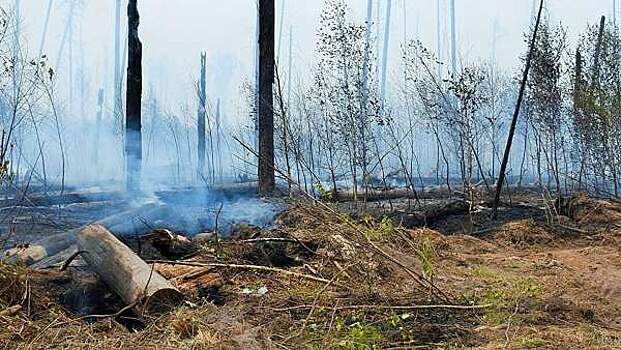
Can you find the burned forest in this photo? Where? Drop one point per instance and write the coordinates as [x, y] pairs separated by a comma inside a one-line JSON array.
[[330, 174]]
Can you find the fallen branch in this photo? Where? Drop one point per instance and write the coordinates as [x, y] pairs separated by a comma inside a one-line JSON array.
[[100, 317], [69, 260], [244, 267], [260, 240], [316, 299], [10, 311], [389, 307]]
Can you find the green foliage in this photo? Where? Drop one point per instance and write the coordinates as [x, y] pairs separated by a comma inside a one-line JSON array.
[[502, 294], [530, 342], [485, 273], [324, 194], [358, 336], [427, 255], [385, 228]]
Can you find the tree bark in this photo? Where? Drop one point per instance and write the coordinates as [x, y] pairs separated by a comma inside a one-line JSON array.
[[267, 182], [516, 113], [126, 273], [133, 121]]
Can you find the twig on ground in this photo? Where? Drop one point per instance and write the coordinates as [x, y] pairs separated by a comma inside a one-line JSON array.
[[260, 240], [244, 267], [100, 317], [316, 299], [70, 259], [10, 311], [390, 307]]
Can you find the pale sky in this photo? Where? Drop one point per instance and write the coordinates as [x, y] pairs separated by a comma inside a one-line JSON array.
[[174, 32]]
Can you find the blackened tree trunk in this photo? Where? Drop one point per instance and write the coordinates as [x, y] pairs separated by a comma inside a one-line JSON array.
[[133, 121], [118, 71], [266, 101], [202, 104], [516, 113]]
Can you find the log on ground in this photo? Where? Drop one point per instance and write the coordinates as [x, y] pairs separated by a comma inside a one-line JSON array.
[[135, 282], [130, 222]]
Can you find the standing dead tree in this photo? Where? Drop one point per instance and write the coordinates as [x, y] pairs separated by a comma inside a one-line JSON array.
[[118, 72], [48, 13], [516, 113], [202, 108], [267, 182], [133, 121]]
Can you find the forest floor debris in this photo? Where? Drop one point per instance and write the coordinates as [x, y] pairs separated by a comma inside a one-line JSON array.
[[527, 280]]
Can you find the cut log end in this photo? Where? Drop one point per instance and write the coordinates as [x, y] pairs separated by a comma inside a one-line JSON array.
[[160, 302], [136, 282]]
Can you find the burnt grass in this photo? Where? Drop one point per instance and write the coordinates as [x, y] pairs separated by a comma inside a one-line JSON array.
[[524, 280]]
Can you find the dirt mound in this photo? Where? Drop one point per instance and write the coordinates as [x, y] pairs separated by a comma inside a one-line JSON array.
[[523, 233], [589, 211]]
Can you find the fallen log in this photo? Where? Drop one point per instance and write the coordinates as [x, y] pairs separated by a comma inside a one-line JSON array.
[[374, 195], [135, 221], [135, 282], [428, 216], [39, 200]]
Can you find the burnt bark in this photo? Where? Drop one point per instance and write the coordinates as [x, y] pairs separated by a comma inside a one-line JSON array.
[[267, 182], [516, 113], [133, 119]]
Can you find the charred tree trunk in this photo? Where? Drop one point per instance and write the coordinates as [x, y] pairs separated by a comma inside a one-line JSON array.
[[133, 121], [267, 182], [516, 113], [202, 108], [118, 71]]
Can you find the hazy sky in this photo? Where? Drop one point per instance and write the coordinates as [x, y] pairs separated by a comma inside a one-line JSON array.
[[174, 32]]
